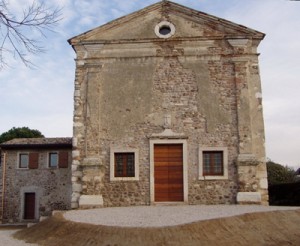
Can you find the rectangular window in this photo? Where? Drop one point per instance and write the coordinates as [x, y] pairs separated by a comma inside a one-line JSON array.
[[124, 164], [29, 160], [23, 160], [53, 159], [213, 163]]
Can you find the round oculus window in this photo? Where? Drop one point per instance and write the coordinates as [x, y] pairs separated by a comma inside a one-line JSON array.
[[164, 29]]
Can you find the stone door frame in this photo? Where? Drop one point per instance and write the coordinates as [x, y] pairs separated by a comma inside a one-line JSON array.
[[38, 195]]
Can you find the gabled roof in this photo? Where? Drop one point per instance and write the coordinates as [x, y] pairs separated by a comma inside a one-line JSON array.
[[135, 25], [22, 143]]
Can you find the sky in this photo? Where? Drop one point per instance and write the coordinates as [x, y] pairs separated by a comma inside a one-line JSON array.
[[42, 98]]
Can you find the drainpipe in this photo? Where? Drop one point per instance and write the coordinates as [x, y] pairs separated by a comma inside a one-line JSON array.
[[3, 184]]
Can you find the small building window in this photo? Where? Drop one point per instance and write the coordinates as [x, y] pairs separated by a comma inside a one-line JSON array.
[[124, 164], [213, 163], [58, 159], [28, 160], [23, 160], [53, 159]]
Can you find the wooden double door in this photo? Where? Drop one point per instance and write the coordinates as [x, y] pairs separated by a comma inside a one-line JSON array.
[[168, 172]]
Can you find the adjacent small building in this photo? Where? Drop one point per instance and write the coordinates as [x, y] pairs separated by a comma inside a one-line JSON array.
[[35, 178], [168, 108]]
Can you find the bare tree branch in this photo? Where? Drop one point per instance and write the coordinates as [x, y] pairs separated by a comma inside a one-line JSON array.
[[16, 32]]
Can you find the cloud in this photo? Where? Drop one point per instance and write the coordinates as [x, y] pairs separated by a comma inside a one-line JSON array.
[[45, 93]]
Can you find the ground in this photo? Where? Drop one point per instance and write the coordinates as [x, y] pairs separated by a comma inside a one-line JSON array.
[[264, 228]]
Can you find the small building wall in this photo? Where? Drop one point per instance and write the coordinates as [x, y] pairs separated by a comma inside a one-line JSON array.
[[52, 186]]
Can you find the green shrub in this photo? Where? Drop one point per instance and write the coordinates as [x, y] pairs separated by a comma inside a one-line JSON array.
[[278, 174], [20, 132]]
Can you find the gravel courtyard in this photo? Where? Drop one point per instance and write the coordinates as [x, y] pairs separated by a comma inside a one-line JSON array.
[[161, 216], [163, 225]]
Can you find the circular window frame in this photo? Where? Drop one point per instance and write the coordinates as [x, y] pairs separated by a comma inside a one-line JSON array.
[[162, 24]]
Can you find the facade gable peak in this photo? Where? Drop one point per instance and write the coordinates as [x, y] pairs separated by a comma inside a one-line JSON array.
[[141, 24]]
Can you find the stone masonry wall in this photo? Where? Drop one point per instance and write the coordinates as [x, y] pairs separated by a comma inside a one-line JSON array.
[[126, 103]]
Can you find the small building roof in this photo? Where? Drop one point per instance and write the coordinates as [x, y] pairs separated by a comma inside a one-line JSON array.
[[28, 143]]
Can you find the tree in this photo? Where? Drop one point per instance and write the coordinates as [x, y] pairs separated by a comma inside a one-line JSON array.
[[278, 174], [17, 31], [20, 132]]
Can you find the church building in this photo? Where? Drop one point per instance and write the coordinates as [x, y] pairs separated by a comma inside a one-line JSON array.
[[168, 109]]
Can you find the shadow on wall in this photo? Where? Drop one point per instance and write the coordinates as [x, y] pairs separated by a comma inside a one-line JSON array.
[[287, 194]]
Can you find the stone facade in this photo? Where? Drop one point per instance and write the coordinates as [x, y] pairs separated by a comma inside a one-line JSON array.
[[51, 186], [168, 74]]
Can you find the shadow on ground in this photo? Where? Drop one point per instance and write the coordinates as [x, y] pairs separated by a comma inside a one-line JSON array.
[[266, 228]]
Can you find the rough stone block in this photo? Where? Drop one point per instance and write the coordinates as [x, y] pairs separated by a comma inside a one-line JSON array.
[[75, 153], [74, 179], [248, 197], [87, 178], [91, 161], [90, 200], [77, 174], [75, 197], [77, 187], [74, 168], [247, 160], [75, 142], [263, 183], [74, 205]]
